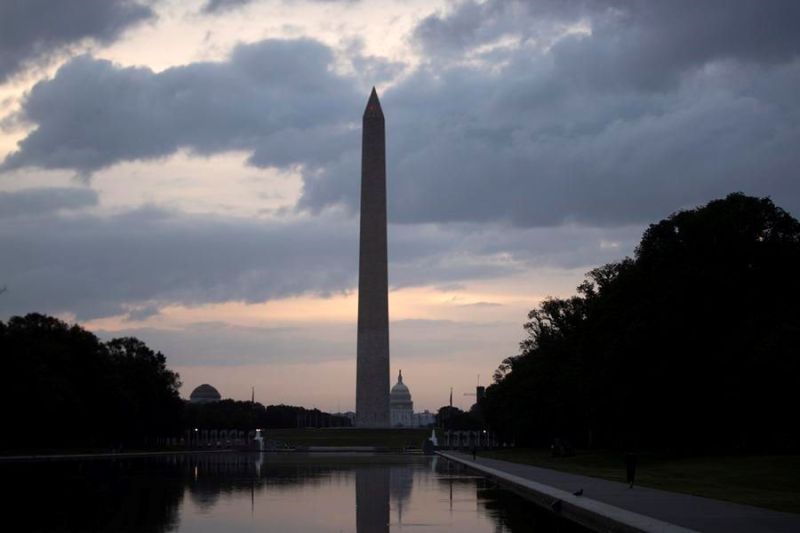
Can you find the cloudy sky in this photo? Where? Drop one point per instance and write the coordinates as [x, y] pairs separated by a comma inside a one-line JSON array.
[[187, 171]]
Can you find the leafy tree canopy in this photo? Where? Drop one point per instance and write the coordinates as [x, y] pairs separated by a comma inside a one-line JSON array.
[[67, 388], [690, 344]]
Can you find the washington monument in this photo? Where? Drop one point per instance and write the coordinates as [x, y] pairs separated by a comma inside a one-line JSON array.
[[372, 372]]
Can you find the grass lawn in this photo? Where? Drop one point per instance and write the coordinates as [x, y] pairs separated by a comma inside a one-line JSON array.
[[392, 439], [771, 481]]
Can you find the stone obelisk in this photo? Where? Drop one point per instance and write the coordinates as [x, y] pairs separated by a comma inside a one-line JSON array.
[[372, 372]]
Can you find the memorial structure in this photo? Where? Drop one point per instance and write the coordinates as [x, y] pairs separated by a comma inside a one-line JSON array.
[[372, 364]]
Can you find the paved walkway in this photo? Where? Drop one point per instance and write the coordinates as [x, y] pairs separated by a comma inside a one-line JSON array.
[[692, 512]]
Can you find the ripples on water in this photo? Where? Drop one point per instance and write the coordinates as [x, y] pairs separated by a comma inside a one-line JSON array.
[[268, 492]]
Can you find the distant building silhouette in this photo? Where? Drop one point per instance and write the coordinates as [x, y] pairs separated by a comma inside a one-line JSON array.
[[400, 402], [205, 393], [480, 393], [402, 407]]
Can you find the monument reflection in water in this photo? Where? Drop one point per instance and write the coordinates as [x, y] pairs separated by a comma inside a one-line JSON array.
[[267, 492]]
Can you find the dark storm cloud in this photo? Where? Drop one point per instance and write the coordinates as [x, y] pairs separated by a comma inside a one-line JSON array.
[[643, 42], [134, 263], [36, 202], [471, 24], [99, 266], [216, 6], [219, 6], [274, 98], [661, 106], [528, 148], [31, 29], [375, 69], [512, 117], [652, 45]]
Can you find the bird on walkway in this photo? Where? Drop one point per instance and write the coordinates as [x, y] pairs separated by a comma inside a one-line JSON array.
[[578, 492]]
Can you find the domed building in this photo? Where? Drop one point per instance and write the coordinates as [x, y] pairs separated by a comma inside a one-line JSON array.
[[402, 408], [205, 393]]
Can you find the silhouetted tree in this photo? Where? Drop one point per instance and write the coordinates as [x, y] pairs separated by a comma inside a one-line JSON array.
[[454, 418], [233, 414], [65, 388], [146, 388], [691, 344]]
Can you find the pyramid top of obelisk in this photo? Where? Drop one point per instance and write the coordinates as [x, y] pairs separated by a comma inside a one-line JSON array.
[[373, 109]]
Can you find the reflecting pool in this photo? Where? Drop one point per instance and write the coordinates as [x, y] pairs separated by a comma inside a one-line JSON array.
[[237, 492]]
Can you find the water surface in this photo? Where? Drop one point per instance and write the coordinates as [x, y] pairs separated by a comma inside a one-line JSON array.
[[235, 492]]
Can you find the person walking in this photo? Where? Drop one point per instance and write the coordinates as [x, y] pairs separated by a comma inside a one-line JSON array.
[[630, 468]]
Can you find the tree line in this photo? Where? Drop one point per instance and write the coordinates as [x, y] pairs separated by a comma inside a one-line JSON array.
[[233, 414], [690, 345], [64, 388]]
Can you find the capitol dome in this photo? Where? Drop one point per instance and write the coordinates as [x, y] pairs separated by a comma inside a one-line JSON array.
[[205, 393], [400, 396], [402, 408]]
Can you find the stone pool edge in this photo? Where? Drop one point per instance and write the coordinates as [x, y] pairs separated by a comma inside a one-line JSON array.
[[589, 513]]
